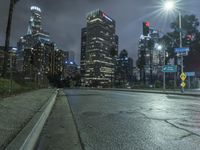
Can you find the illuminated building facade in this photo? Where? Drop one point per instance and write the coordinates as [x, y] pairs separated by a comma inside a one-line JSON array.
[[83, 53], [124, 71], [39, 60], [11, 59], [35, 32], [35, 25], [150, 59], [35, 36], [98, 38]]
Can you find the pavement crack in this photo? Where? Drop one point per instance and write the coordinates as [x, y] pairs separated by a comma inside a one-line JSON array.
[[190, 132], [185, 136], [151, 118]]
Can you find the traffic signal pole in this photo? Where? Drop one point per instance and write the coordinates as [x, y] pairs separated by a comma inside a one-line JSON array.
[[181, 45], [164, 81], [146, 26]]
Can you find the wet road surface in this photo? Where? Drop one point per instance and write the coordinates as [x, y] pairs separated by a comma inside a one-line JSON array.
[[109, 120]]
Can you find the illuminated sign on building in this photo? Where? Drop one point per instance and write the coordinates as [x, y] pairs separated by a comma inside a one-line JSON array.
[[35, 8], [107, 17]]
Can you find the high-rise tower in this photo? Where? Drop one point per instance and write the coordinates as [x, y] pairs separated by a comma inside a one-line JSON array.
[[35, 23], [98, 42]]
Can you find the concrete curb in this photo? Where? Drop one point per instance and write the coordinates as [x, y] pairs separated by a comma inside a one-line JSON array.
[[34, 131], [162, 92], [147, 91], [60, 132], [76, 125]]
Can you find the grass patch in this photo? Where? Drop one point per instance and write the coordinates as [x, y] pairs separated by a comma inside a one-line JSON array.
[[16, 88]]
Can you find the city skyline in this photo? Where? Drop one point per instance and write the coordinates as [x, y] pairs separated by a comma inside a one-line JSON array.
[[70, 20]]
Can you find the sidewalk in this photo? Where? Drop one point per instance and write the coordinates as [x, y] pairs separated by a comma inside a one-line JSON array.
[[187, 92], [60, 130], [175, 92], [17, 111]]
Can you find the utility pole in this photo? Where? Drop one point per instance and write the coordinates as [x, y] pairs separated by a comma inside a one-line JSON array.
[[151, 60], [181, 45], [11, 73], [164, 78], [144, 63]]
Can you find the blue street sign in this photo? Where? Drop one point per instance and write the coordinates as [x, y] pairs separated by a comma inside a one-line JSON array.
[[169, 68], [190, 74], [182, 49]]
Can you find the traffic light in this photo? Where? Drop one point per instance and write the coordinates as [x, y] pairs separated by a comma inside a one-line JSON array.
[[188, 39], [146, 26]]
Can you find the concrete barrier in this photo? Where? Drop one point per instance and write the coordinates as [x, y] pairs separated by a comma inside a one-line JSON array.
[[27, 139]]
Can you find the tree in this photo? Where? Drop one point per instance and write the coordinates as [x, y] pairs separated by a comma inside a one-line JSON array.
[[7, 39], [192, 60], [189, 27], [77, 79]]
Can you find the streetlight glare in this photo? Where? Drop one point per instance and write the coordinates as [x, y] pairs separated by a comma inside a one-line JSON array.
[[159, 47], [169, 5]]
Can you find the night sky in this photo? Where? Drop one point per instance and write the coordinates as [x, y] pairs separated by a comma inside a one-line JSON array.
[[63, 19]]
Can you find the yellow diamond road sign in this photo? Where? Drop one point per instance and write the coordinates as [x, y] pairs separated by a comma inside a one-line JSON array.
[[183, 76], [183, 84]]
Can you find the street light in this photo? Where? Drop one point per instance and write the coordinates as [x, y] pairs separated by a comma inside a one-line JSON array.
[[160, 48], [169, 6]]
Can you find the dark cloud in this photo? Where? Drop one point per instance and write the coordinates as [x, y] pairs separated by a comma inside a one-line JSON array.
[[63, 19]]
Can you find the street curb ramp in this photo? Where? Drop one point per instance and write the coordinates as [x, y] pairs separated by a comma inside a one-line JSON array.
[[28, 137]]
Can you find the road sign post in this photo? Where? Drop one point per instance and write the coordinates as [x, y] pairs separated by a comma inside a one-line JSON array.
[[183, 84], [182, 51], [169, 68], [189, 75], [183, 78], [189, 82]]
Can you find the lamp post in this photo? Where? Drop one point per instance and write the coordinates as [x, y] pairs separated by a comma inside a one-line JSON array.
[[168, 6], [160, 47]]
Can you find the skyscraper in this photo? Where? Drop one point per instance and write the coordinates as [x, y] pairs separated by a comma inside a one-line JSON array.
[[35, 23], [35, 49], [35, 32], [149, 57], [124, 71], [98, 40], [83, 53]]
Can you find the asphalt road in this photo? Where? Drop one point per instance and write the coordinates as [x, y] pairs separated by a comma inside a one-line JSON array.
[[109, 120]]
